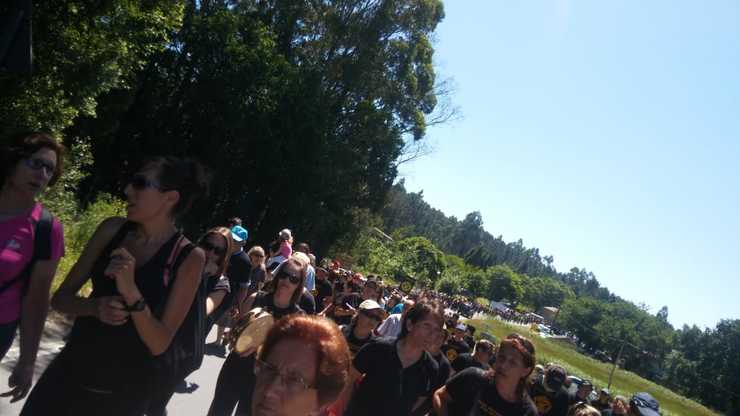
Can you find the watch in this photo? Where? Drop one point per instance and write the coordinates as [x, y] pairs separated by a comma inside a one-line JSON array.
[[138, 306]]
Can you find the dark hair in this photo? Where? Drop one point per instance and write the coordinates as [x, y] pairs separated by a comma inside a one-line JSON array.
[[233, 221], [275, 246], [419, 311], [524, 347], [271, 286], [332, 353], [303, 248], [22, 145], [184, 175]]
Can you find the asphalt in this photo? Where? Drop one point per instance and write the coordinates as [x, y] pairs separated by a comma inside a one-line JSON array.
[[194, 403]]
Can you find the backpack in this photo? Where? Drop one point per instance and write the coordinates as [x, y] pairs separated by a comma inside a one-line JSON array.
[[41, 251], [185, 353]]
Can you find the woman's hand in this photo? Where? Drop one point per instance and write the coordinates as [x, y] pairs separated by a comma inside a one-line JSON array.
[[111, 310], [19, 382], [121, 268]]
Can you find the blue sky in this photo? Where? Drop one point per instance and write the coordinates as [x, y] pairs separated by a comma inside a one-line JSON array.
[[604, 133]]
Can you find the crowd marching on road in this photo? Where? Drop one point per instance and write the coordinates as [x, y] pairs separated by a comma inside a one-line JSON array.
[[300, 337]]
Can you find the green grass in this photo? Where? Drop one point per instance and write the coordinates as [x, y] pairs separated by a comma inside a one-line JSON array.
[[624, 383]]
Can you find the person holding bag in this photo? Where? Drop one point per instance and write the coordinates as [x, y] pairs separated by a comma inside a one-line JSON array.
[[145, 275], [32, 242]]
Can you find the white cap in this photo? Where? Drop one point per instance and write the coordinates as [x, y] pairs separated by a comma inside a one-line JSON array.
[[461, 326], [369, 305], [285, 234]]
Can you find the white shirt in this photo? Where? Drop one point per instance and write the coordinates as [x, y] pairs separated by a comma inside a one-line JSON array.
[[391, 327]]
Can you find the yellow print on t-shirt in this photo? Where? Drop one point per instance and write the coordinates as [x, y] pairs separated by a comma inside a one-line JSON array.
[[451, 355], [486, 409], [543, 404]]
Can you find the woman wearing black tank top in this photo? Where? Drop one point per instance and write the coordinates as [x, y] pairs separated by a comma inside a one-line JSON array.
[[236, 378], [144, 275]]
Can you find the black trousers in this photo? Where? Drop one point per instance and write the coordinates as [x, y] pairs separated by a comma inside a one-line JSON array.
[[234, 387], [59, 393]]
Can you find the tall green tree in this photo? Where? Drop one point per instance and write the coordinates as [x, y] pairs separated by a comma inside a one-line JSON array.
[[82, 50]]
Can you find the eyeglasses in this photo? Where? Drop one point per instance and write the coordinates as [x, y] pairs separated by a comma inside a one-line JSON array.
[[208, 246], [36, 163], [141, 182], [292, 382], [293, 279], [371, 315]]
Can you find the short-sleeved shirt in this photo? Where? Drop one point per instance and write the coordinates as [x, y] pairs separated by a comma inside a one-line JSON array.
[[310, 278], [256, 276], [464, 361], [453, 348], [215, 284], [16, 251], [391, 327], [238, 271], [307, 302], [387, 388], [475, 394], [549, 404]]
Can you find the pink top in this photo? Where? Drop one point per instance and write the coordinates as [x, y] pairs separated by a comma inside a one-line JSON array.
[[16, 249], [285, 249]]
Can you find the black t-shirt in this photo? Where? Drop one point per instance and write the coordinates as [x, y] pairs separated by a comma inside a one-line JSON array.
[[353, 342], [238, 271], [323, 289], [549, 404], [256, 276], [464, 361], [307, 302], [442, 375], [389, 389], [453, 348], [475, 394]]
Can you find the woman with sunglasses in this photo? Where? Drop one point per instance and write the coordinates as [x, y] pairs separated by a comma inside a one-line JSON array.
[[360, 331], [214, 286], [301, 367], [144, 275], [503, 391], [236, 378], [29, 163]]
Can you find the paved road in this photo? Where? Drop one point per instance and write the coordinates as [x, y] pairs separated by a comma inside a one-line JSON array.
[[186, 404]]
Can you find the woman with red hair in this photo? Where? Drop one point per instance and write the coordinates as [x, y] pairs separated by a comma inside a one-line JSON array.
[[301, 368]]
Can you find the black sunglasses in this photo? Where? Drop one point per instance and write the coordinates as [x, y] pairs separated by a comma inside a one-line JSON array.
[[293, 279], [207, 246], [141, 182]]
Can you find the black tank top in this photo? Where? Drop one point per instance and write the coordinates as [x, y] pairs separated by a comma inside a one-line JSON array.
[[109, 357]]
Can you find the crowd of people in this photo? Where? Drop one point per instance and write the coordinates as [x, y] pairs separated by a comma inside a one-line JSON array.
[[300, 337]]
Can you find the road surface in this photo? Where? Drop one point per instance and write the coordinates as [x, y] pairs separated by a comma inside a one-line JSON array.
[[186, 404]]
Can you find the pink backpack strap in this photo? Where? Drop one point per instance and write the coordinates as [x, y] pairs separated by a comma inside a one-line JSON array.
[[171, 260]]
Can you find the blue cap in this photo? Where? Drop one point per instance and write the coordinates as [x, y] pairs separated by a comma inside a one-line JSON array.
[[239, 233]]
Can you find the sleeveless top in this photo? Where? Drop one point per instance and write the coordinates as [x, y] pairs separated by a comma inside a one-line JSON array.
[[108, 357]]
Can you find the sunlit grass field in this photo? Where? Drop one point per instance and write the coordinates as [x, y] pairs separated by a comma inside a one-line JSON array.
[[624, 382]]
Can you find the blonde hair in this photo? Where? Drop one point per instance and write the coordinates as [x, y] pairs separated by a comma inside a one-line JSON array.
[[583, 409], [257, 250]]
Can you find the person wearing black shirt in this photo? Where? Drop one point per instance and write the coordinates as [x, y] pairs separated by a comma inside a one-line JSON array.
[[482, 353], [236, 378], [549, 394], [502, 392], [258, 272], [395, 373], [456, 345], [360, 331], [445, 369], [323, 287]]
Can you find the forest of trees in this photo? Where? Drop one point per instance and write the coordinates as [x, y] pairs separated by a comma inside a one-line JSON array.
[[701, 364], [303, 111]]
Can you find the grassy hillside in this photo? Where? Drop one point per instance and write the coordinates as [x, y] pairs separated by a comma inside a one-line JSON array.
[[624, 382]]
